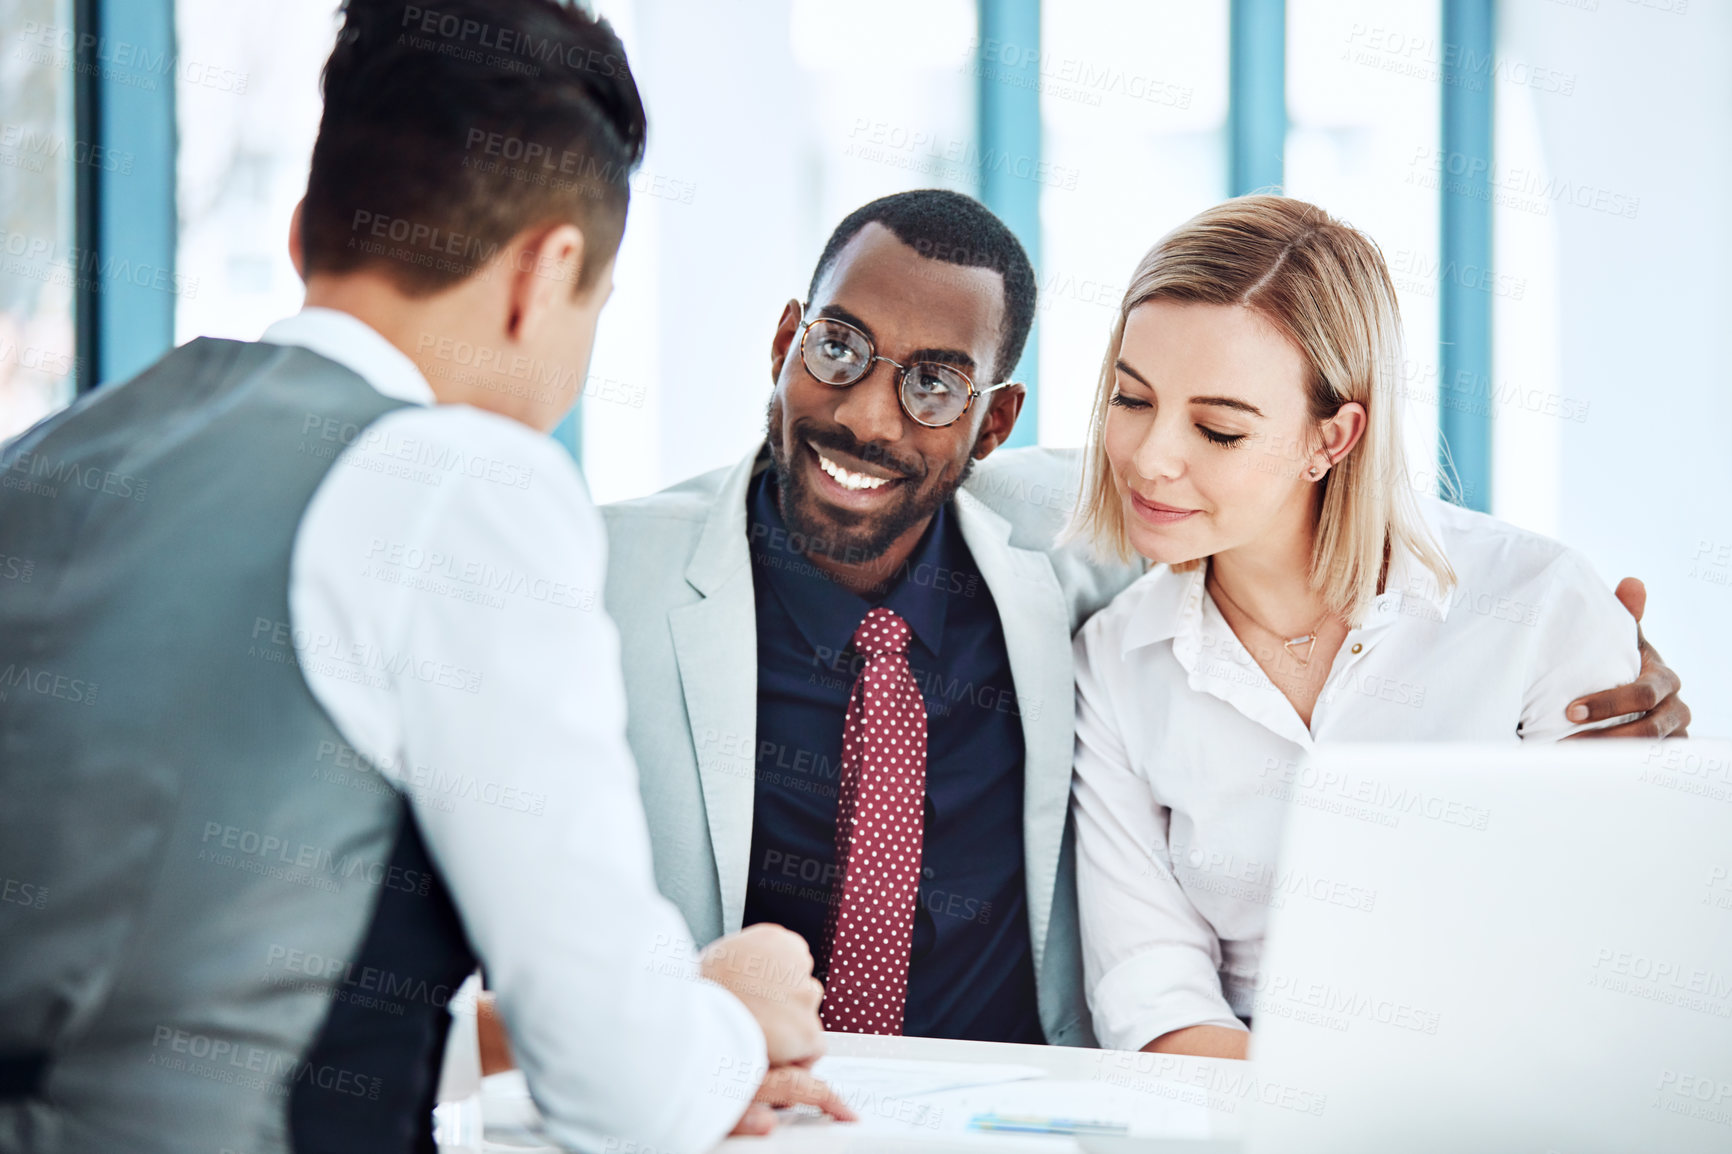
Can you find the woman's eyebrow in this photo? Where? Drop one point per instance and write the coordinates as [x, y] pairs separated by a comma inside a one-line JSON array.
[[1132, 373], [1229, 403], [1223, 402]]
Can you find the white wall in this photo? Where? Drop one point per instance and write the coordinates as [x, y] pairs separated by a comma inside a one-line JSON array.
[[1634, 311]]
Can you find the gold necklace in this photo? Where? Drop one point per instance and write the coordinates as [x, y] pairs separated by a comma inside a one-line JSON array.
[[1308, 639]]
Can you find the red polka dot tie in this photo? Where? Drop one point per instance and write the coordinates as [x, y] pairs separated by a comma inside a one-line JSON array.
[[878, 836]]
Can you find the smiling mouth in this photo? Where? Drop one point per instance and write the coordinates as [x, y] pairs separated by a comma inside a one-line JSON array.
[[1157, 513], [849, 479]]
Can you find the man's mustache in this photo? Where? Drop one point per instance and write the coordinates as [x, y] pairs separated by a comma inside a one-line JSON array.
[[842, 441]]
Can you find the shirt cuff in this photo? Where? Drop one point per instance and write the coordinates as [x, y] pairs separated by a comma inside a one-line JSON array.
[[1158, 991], [725, 1065]]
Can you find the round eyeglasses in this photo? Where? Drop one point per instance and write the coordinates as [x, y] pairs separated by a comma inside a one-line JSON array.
[[932, 394]]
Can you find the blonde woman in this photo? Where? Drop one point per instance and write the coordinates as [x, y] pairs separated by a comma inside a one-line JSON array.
[[1247, 439]]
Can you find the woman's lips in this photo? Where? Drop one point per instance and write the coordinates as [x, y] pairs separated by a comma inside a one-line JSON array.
[[1156, 513]]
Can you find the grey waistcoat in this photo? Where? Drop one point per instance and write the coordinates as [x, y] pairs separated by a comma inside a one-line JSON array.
[[201, 884]]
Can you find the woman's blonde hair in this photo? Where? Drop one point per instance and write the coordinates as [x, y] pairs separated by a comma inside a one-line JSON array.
[[1323, 285]]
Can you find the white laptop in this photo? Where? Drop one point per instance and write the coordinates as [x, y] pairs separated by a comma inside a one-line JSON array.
[[1544, 964]]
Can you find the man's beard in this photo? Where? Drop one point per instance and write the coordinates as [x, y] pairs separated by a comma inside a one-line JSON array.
[[844, 535]]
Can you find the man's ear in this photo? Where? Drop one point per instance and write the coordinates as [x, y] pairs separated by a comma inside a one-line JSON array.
[[296, 257], [543, 266], [1003, 408], [786, 330]]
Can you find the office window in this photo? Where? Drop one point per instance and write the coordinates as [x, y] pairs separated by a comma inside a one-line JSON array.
[[1534, 410], [1364, 109], [1133, 115], [247, 119], [39, 155], [768, 123]]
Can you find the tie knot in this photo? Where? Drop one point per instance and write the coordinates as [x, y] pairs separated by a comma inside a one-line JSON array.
[[881, 632]]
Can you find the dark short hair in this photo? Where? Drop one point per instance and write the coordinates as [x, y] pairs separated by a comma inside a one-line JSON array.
[[957, 229], [451, 128]]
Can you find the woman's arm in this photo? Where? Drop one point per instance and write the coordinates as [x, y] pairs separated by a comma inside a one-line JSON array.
[[1151, 961], [1583, 639], [1202, 1042]]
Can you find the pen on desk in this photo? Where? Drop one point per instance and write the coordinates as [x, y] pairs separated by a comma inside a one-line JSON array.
[[1037, 1124]]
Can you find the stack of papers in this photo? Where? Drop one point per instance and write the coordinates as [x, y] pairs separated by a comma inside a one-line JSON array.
[[958, 1098], [974, 1103]]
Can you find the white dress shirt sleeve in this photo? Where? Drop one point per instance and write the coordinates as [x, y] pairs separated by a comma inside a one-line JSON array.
[[1151, 962], [447, 577], [1584, 641]]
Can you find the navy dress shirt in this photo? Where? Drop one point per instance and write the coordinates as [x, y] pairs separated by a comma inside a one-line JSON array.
[[971, 970]]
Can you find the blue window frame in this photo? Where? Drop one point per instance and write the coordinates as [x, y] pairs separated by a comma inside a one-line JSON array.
[[1464, 303], [1009, 115], [1256, 95], [123, 95]]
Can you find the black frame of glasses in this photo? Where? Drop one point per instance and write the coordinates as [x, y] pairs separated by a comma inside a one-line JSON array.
[[873, 357]]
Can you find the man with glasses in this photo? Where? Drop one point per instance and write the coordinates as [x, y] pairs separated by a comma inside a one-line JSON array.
[[743, 598], [848, 657]]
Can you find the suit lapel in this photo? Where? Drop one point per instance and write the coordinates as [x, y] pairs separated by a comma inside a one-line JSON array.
[[716, 645], [1032, 611]]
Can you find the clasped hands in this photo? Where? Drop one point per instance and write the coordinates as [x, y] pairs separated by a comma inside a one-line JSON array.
[[769, 969]]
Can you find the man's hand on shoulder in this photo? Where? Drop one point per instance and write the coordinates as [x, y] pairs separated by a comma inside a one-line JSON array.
[[1654, 693]]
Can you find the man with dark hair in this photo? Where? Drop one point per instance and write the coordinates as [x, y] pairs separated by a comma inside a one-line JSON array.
[[948, 228], [849, 673], [546, 125], [755, 597], [311, 704]]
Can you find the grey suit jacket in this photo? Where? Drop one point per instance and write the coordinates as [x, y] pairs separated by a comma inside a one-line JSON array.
[[679, 585]]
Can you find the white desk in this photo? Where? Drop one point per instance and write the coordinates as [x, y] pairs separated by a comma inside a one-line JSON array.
[[1212, 1084], [1211, 1092]]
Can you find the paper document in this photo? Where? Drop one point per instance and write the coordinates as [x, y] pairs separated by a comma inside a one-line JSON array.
[[974, 1102], [908, 1078], [962, 1098], [1066, 1106]]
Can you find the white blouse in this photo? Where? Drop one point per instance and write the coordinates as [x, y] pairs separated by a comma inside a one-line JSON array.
[[1187, 754]]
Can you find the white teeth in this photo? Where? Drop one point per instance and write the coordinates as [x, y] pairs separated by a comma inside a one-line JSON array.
[[850, 480]]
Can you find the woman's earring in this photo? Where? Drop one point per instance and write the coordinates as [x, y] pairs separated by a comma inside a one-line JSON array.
[[1313, 474]]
